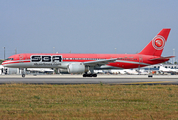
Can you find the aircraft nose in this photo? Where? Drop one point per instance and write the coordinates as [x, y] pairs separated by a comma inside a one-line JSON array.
[[4, 64]]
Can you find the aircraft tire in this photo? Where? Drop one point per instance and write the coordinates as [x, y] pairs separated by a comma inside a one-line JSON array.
[[89, 75], [84, 75], [150, 75], [94, 75], [23, 75]]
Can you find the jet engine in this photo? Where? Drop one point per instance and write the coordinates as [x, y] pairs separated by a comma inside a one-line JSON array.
[[76, 68]]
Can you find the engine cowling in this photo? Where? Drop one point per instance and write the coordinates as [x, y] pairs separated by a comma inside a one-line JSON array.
[[76, 68]]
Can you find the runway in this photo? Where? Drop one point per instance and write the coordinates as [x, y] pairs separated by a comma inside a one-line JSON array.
[[78, 79]]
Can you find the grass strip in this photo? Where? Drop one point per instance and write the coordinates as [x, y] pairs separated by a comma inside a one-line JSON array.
[[91, 101]]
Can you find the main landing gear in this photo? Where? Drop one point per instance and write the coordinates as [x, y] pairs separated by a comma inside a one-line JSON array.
[[89, 75], [92, 74]]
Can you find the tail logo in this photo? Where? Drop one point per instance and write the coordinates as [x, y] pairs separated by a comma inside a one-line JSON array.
[[158, 42]]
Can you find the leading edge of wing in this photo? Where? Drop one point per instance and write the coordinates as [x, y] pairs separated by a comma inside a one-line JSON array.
[[99, 62]]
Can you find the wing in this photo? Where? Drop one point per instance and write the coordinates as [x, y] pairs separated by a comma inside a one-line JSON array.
[[99, 62]]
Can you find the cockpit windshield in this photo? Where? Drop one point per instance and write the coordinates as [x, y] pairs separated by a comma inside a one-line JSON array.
[[10, 59]]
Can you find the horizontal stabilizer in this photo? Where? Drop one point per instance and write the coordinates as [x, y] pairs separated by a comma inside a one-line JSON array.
[[162, 58]]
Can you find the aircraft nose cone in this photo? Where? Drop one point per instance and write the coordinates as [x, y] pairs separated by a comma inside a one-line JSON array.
[[3, 64]]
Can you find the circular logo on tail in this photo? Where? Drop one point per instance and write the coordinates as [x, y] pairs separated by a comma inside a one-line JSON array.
[[158, 42]]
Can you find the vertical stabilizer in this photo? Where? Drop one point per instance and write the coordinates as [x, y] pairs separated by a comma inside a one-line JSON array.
[[156, 46]]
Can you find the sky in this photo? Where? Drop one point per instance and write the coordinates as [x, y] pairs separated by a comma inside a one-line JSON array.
[[85, 26]]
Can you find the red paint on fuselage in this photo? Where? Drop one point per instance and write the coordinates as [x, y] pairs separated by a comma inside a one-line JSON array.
[[125, 61]]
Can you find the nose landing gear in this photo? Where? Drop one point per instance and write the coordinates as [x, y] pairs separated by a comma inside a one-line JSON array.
[[23, 72], [23, 75]]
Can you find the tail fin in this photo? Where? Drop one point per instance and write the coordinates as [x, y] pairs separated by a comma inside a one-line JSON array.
[[156, 46]]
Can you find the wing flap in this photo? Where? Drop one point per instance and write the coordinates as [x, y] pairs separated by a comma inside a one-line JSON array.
[[99, 62]]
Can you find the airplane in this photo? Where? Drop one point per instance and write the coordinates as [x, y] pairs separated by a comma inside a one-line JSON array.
[[118, 71], [82, 63], [167, 70], [131, 72], [125, 71], [143, 72]]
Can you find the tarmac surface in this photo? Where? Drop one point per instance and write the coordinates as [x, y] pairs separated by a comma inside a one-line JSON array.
[[78, 79]]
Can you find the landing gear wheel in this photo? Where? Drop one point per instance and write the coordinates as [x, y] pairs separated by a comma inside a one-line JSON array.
[[23, 75], [89, 75], [94, 75], [84, 75], [150, 75]]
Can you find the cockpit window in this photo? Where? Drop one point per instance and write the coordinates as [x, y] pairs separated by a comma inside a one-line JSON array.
[[10, 59]]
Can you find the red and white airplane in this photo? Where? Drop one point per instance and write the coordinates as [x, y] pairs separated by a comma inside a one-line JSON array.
[[82, 63]]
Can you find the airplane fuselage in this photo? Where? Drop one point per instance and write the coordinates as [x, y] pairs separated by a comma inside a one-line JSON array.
[[124, 61]]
